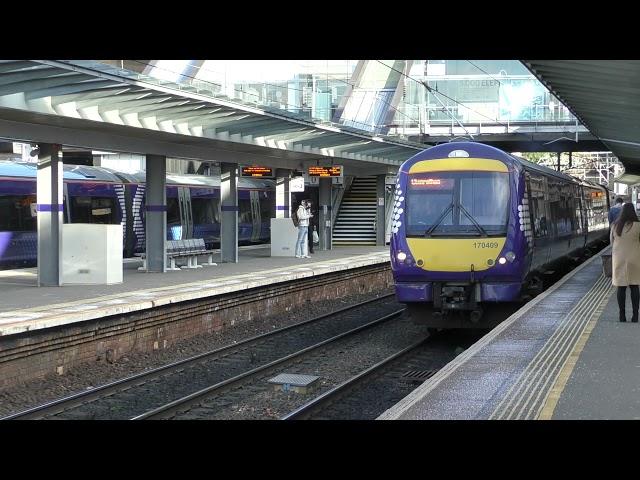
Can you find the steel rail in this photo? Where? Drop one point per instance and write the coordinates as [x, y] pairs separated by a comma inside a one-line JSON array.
[[186, 403], [81, 398], [330, 396]]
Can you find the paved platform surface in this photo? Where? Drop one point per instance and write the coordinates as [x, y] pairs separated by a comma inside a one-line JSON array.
[[24, 306], [564, 355]]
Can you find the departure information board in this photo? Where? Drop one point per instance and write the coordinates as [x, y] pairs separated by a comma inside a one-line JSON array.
[[257, 171], [334, 171]]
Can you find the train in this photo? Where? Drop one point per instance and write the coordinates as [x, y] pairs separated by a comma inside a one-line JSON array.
[[101, 195], [474, 226]]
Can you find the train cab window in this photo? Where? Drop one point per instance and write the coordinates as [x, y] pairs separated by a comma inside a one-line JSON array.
[[18, 213], [474, 193], [94, 210], [457, 203]]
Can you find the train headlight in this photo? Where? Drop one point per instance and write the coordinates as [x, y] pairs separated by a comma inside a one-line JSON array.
[[502, 260], [510, 256], [401, 256]]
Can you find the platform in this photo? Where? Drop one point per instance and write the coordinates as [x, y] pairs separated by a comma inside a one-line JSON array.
[[26, 307], [564, 355]]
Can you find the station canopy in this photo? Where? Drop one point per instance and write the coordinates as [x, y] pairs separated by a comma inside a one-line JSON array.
[[42, 100], [605, 96]]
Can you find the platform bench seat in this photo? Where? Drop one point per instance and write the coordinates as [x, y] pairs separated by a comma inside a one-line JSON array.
[[189, 249]]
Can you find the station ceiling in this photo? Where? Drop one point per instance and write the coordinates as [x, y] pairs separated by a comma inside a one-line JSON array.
[[95, 105], [605, 96]]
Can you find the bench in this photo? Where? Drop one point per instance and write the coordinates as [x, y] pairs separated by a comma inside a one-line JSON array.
[[189, 248]]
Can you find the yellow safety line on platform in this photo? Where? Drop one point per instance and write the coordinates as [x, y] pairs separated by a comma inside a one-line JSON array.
[[562, 379]]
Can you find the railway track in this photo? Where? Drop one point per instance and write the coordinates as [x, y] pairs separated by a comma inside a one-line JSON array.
[[211, 401], [369, 393], [135, 396]]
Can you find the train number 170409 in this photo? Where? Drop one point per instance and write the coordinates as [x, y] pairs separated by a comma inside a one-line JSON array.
[[485, 244]]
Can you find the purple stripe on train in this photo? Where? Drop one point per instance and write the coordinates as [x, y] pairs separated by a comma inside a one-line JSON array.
[[47, 207]]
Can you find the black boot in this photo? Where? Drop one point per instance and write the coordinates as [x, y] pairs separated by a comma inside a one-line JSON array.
[[634, 318], [623, 317]]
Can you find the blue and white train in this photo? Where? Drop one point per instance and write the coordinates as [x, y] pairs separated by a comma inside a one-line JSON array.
[[101, 195]]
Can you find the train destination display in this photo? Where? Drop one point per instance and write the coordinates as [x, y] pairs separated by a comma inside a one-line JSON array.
[[255, 171], [317, 171]]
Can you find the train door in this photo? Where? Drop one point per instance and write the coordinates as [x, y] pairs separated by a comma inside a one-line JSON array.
[[186, 213], [256, 217], [66, 203]]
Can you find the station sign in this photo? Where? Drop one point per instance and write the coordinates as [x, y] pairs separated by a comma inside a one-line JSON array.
[[255, 171], [296, 184], [317, 171]]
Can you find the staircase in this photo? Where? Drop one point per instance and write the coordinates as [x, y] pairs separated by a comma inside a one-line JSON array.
[[355, 223]]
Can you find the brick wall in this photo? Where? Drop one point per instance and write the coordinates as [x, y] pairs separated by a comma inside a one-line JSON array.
[[32, 355]]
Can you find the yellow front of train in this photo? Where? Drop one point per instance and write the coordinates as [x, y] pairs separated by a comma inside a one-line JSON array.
[[450, 242]]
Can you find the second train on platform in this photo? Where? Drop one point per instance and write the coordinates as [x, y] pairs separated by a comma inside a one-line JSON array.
[[101, 195], [474, 225]]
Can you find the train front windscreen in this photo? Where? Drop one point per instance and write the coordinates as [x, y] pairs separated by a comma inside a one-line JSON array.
[[457, 204]]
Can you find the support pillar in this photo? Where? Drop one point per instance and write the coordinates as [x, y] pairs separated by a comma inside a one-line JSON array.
[[558, 160], [380, 210], [50, 215], [229, 212], [283, 194], [156, 213], [324, 214]]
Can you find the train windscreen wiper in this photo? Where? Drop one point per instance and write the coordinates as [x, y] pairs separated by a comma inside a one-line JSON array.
[[482, 231], [442, 216]]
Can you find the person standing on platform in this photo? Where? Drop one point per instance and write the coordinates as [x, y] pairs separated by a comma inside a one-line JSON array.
[[303, 229], [615, 211], [625, 259]]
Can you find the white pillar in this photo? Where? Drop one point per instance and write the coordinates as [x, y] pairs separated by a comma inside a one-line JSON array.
[[283, 194]]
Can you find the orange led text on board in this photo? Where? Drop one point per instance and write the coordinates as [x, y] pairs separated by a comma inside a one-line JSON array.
[[335, 171]]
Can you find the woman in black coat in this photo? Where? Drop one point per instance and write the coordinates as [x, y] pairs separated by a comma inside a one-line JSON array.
[[312, 225]]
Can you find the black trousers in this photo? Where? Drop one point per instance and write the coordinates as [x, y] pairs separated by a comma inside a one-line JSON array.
[[635, 298], [310, 238]]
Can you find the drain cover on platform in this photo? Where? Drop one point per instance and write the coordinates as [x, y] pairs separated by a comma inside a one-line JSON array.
[[294, 382]]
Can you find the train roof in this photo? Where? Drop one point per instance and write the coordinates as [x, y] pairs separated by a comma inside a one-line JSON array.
[[206, 181], [550, 171], [70, 172], [102, 174], [481, 150]]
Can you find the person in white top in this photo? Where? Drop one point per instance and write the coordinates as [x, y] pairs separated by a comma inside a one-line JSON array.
[[304, 214]]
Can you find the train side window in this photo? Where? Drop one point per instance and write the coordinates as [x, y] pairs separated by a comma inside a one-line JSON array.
[[539, 208], [267, 206], [173, 211], [101, 210], [244, 215], [204, 210], [18, 214]]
